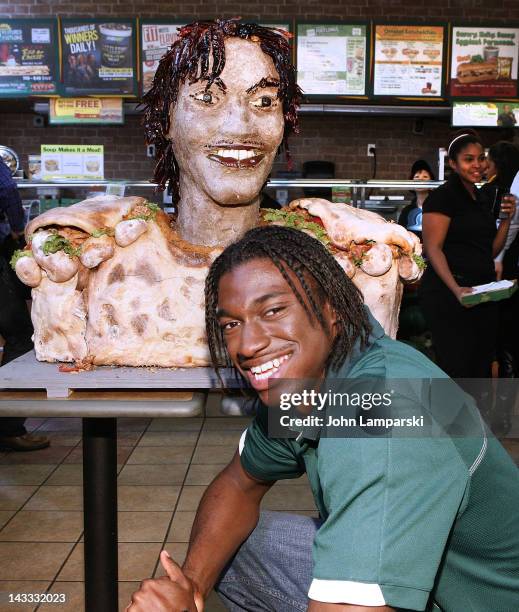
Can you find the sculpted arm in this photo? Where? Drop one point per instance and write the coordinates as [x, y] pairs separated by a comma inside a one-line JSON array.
[[85, 234]]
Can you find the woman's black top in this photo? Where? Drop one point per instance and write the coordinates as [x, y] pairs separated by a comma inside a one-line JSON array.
[[468, 243], [495, 193]]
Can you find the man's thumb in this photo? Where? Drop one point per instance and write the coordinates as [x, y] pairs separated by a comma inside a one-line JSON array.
[[175, 574]]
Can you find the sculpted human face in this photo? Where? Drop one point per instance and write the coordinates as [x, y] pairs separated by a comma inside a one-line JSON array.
[[267, 332], [225, 141]]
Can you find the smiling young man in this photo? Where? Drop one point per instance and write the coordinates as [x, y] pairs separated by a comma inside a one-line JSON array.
[[407, 523]]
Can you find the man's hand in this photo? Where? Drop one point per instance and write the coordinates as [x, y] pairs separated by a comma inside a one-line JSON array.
[[172, 593]]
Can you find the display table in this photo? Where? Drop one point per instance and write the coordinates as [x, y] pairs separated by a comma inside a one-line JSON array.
[[29, 388]]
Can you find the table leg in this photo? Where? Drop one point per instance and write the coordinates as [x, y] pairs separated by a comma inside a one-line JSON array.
[[100, 513]]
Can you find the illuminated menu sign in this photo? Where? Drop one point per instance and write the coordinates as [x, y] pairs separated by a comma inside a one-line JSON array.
[[156, 40], [28, 57], [331, 59], [408, 61], [485, 114], [484, 62]]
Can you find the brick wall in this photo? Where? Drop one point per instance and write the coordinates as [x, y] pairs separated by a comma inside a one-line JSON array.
[[472, 10], [341, 139]]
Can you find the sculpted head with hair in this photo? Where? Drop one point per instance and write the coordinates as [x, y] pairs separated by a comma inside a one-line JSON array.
[[117, 282]]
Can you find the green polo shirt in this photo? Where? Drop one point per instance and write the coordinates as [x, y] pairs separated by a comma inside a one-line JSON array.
[[411, 523]]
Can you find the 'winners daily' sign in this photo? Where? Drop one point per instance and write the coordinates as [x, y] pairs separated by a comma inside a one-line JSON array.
[[98, 57]]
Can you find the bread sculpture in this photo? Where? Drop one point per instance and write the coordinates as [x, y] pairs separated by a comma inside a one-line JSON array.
[[116, 282]]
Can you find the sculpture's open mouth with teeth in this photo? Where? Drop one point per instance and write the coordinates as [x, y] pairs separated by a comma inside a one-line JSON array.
[[237, 156]]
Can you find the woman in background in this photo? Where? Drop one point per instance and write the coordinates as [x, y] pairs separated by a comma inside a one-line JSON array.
[[461, 241], [503, 166], [411, 215]]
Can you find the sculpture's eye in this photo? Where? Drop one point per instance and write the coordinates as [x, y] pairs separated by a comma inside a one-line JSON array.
[[265, 102], [206, 97]]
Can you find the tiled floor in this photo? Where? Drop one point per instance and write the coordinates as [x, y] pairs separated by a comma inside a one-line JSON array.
[[164, 468]]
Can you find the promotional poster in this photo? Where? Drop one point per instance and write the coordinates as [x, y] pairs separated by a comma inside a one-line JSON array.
[[86, 111], [484, 62], [72, 162], [485, 114], [98, 57], [156, 39], [28, 57]]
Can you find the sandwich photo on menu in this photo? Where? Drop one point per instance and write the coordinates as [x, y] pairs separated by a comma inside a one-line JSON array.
[[476, 71]]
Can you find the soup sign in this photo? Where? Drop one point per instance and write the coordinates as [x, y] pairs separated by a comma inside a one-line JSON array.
[[72, 162]]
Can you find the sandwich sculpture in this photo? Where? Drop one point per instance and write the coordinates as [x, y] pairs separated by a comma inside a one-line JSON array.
[[116, 282]]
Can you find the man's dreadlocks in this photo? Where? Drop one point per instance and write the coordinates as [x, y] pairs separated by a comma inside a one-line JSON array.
[[317, 272], [199, 55]]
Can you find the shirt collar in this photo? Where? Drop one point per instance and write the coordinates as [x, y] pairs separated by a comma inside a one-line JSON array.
[[456, 183]]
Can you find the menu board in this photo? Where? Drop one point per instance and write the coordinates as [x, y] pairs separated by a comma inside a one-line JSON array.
[[98, 57], [408, 61], [485, 114], [331, 59], [79, 162], [484, 62], [156, 40], [28, 57], [63, 111]]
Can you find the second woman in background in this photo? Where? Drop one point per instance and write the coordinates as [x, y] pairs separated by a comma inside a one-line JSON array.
[[503, 167], [411, 215]]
